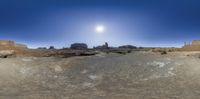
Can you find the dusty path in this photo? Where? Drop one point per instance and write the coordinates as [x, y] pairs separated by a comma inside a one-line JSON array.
[[138, 75]]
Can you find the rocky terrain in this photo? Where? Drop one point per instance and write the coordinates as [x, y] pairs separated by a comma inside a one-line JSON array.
[[136, 75]]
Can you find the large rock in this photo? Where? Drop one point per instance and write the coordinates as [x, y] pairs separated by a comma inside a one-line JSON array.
[[128, 46], [7, 53], [80, 46], [105, 46], [51, 47]]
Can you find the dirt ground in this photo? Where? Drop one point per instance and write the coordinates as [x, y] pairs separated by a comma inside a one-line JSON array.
[[137, 75]]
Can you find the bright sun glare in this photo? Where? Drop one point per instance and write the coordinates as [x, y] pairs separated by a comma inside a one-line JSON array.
[[99, 29]]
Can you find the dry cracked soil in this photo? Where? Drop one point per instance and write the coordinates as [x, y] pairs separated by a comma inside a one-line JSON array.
[[137, 75]]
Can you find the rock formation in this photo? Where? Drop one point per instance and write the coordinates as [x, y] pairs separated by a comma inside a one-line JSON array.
[[194, 46], [128, 46], [51, 47], [79, 46], [4, 44], [105, 46], [41, 48]]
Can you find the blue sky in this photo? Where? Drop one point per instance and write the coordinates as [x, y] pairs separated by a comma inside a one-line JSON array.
[[166, 23]]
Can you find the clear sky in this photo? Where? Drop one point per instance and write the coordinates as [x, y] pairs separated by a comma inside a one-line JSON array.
[[137, 22]]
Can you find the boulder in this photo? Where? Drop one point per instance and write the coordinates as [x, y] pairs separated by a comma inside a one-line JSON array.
[[7, 53]]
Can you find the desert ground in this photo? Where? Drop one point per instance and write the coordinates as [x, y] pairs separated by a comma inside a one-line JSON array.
[[136, 75]]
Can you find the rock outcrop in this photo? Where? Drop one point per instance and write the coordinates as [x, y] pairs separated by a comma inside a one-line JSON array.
[[105, 46], [195, 46], [128, 46], [79, 46], [51, 47], [4, 45]]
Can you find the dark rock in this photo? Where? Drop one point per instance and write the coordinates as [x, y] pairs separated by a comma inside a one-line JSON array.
[[79, 46], [51, 47], [41, 48], [88, 53], [128, 46], [105, 46], [163, 52]]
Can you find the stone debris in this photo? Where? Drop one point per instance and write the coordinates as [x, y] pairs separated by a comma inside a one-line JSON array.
[[157, 63], [26, 59], [93, 77], [84, 71], [57, 68], [87, 84]]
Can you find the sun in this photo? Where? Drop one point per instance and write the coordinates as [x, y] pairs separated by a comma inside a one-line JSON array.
[[100, 29]]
